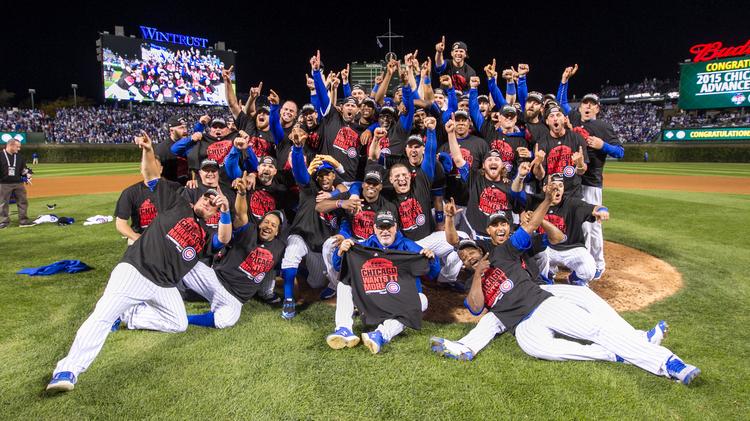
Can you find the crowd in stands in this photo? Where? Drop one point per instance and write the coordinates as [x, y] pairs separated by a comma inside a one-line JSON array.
[[730, 118], [23, 120], [646, 86], [634, 123]]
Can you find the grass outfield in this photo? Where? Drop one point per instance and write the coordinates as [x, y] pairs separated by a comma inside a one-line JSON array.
[[266, 367], [679, 168], [65, 170]]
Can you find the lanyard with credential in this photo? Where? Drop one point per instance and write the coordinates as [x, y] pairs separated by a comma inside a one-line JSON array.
[[8, 160]]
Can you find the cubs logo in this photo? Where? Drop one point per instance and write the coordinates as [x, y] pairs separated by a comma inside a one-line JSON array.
[[347, 142], [506, 286], [559, 158], [329, 219], [569, 171], [492, 200], [392, 287], [187, 233], [351, 153], [420, 220], [188, 254]]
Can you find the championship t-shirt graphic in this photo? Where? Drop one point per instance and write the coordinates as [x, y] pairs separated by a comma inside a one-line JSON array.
[[559, 160], [257, 264], [146, 213], [556, 220], [189, 238], [260, 146], [218, 151], [261, 202], [494, 285], [506, 151], [411, 215], [362, 223], [347, 141], [492, 200], [379, 276]]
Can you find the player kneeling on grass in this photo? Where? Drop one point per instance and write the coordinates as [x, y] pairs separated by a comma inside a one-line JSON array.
[[381, 276], [535, 316], [143, 283]]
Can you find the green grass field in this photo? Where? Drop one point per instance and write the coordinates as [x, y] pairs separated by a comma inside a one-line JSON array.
[[268, 368]]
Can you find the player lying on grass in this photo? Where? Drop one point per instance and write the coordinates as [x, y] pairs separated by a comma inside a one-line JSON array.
[[535, 316], [381, 276], [143, 283]]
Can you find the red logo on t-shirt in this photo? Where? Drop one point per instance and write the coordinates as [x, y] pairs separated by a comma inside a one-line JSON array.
[[362, 224], [559, 158], [466, 154], [213, 221], [411, 215], [187, 233], [492, 200], [347, 141], [330, 219], [146, 213], [313, 141], [257, 264], [261, 202], [494, 285], [555, 220], [459, 81], [506, 151], [376, 274], [219, 150], [260, 146]]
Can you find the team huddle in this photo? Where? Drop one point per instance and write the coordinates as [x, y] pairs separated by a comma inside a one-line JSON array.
[[368, 197]]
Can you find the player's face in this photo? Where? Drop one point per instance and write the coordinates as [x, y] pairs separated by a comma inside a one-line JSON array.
[[371, 190], [205, 207], [266, 172], [209, 176], [359, 94], [400, 179], [499, 232], [463, 105], [13, 147], [493, 167], [325, 180], [469, 256], [311, 120], [349, 110], [288, 112], [557, 198], [459, 55], [385, 120], [440, 100], [508, 122], [484, 107], [533, 110], [556, 123], [386, 234], [268, 228], [367, 111], [219, 131], [419, 117], [178, 132], [414, 152], [588, 110], [261, 120], [462, 127]]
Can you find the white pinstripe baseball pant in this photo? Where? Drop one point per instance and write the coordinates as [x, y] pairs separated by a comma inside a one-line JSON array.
[[489, 325], [225, 306], [296, 250], [450, 264], [536, 336], [577, 259], [592, 231], [125, 289], [327, 253], [345, 307]]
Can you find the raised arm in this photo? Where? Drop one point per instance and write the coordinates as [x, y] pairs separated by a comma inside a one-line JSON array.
[[390, 69], [523, 88], [274, 118], [439, 61], [562, 90], [538, 216], [458, 158], [234, 105], [451, 235], [149, 165], [240, 202], [320, 85], [407, 120], [476, 115], [250, 104], [430, 149]]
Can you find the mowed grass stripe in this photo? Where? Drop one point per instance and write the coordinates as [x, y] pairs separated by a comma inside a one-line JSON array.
[[62, 170], [697, 168]]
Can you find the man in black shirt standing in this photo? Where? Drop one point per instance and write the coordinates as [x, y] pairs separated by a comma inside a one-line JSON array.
[[457, 68], [13, 175], [142, 286], [174, 167]]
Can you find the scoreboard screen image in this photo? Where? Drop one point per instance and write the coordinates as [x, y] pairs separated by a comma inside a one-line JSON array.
[[145, 70], [715, 84]]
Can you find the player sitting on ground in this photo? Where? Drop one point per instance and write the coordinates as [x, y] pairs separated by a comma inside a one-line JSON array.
[[387, 307]]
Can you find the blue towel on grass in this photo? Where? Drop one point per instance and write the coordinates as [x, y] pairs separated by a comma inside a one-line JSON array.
[[69, 266]]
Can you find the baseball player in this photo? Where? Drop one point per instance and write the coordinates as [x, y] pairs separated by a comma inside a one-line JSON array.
[[473, 150], [389, 318], [459, 71], [537, 318], [175, 168], [142, 284]]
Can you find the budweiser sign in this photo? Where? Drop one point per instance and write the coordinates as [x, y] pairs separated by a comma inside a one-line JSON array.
[[716, 50]]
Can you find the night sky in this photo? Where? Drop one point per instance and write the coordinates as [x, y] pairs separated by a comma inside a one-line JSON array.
[[48, 49]]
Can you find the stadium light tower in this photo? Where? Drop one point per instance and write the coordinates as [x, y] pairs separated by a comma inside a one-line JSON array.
[[75, 97], [32, 91]]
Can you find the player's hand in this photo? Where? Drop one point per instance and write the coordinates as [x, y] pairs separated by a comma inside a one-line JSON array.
[[523, 169], [273, 98], [474, 82], [568, 73], [379, 79], [446, 82], [551, 189], [250, 180], [331, 160], [440, 46], [337, 240], [601, 213], [221, 202], [380, 133], [539, 154], [450, 125], [450, 209], [426, 68], [345, 246], [489, 69], [322, 195], [205, 119], [430, 123], [315, 61], [427, 253], [191, 184], [144, 141], [577, 157], [345, 74], [595, 142], [391, 67], [365, 137], [508, 74], [523, 69], [226, 74], [525, 217], [240, 184], [241, 142], [298, 137], [482, 264], [523, 152], [309, 82], [255, 91], [352, 205]]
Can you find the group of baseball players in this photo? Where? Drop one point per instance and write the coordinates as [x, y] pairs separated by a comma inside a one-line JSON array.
[[367, 197]]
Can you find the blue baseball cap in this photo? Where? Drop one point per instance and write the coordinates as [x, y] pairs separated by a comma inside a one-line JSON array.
[[324, 167]]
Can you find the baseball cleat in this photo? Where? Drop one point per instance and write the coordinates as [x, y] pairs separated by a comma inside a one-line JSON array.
[[327, 293], [373, 341], [681, 372], [450, 349], [116, 325], [272, 299], [342, 338], [573, 279], [288, 311], [657, 333], [26, 224], [63, 381], [598, 274]]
